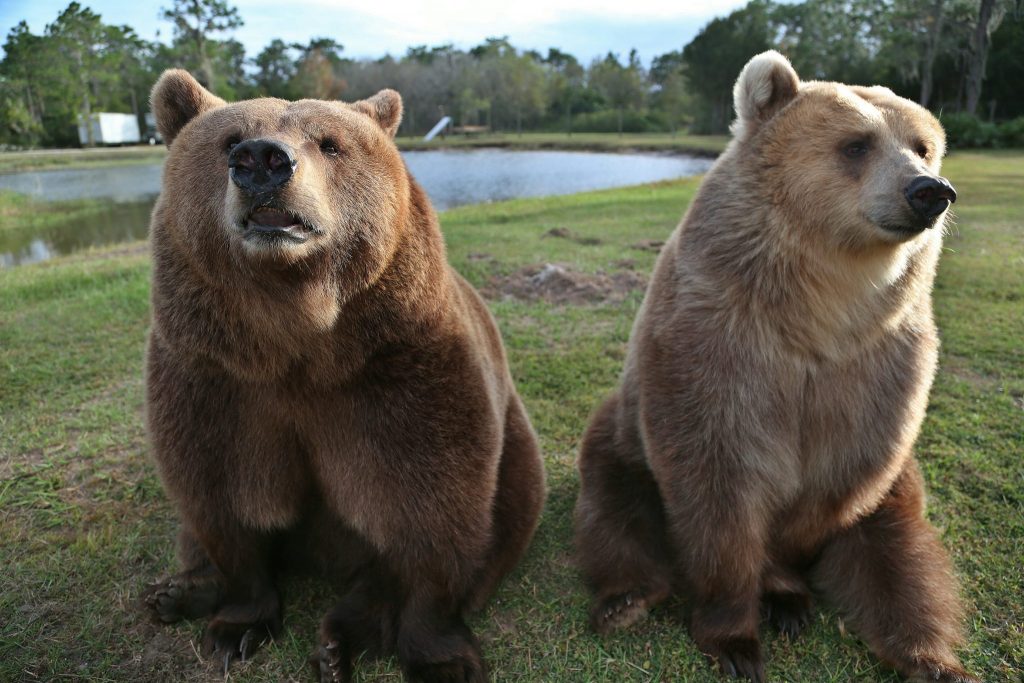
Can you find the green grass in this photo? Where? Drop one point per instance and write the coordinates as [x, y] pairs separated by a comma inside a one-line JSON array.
[[84, 523], [44, 159]]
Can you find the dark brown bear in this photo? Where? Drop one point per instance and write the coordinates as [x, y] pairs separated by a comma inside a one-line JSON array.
[[320, 383], [761, 443]]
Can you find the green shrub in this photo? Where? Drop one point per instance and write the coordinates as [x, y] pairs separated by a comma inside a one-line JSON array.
[[966, 131], [607, 121], [1011, 133]]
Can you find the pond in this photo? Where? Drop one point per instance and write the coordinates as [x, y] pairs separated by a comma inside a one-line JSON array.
[[451, 178]]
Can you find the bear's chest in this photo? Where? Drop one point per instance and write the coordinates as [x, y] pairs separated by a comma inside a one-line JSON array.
[[858, 423]]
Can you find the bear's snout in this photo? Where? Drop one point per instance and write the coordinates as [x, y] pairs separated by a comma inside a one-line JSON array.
[[929, 196], [259, 166]]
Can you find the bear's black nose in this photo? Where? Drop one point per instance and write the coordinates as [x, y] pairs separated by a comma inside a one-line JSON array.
[[261, 165], [929, 196]]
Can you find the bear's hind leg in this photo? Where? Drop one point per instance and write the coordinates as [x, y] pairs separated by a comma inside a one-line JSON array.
[[517, 505], [620, 529], [892, 579]]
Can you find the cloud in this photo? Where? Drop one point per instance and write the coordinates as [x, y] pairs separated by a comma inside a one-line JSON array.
[[584, 27]]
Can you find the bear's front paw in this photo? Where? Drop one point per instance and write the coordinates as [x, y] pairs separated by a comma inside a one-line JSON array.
[[737, 657], [444, 655], [932, 671], [618, 611], [461, 669], [788, 613], [332, 663], [225, 640], [188, 595]]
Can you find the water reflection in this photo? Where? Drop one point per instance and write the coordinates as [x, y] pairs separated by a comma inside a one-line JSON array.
[[456, 177], [121, 184], [451, 178], [125, 222]]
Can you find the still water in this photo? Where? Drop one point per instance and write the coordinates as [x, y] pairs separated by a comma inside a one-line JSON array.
[[450, 177]]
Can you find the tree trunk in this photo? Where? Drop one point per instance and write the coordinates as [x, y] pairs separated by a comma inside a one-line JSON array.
[[568, 116], [620, 121], [90, 140], [931, 51], [978, 53], [205, 67], [519, 123], [35, 116]]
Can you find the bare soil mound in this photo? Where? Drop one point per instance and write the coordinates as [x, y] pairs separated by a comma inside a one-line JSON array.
[[560, 284]]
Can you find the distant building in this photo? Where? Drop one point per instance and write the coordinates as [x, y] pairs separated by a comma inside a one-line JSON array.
[[110, 129]]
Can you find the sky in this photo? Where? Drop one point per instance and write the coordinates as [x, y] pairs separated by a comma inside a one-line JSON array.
[[368, 29]]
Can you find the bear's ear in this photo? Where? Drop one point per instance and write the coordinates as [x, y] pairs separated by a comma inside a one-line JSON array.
[[177, 98], [766, 84], [385, 108]]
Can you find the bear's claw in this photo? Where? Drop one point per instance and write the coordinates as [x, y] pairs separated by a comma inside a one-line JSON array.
[[229, 641], [931, 671], [618, 611], [788, 613], [739, 658], [330, 664], [163, 599], [188, 595]]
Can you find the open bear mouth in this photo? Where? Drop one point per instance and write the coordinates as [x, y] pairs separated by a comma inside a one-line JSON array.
[[269, 224]]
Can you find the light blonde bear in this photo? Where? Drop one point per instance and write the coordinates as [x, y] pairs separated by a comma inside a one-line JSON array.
[[760, 445]]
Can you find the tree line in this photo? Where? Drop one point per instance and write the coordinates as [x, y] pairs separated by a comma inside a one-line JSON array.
[[960, 56]]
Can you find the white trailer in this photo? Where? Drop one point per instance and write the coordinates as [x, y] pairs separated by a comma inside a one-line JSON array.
[[110, 129]]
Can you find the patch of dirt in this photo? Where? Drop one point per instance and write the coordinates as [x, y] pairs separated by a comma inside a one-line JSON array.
[[567, 234], [164, 650], [960, 368], [479, 256], [162, 653], [138, 248], [648, 245], [560, 284]]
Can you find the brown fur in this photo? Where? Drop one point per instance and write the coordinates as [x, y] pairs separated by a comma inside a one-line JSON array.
[[760, 445], [346, 399]]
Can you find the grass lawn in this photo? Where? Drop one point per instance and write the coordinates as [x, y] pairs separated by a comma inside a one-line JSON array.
[[46, 159], [84, 523]]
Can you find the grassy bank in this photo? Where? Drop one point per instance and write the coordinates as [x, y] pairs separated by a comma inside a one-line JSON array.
[[50, 159], [84, 524], [704, 145]]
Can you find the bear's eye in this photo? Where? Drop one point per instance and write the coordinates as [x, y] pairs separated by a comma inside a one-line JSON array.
[[329, 147], [921, 149], [855, 150], [231, 143]]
